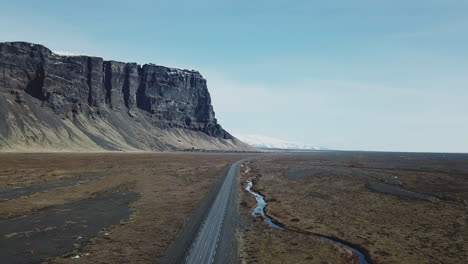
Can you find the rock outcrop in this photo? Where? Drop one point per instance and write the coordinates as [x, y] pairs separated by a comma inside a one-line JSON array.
[[48, 99]]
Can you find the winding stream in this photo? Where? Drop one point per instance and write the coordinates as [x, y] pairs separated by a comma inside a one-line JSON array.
[[260, 206], [259, 211]]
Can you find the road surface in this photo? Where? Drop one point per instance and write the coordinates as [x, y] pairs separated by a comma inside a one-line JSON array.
[[203, 250]]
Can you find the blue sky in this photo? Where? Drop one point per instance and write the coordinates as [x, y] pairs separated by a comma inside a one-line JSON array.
[[370, 75]]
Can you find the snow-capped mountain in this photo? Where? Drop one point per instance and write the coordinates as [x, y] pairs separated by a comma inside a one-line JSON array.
[[274, 143]]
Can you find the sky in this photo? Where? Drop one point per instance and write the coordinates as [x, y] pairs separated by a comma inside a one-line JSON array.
[[351, 75]]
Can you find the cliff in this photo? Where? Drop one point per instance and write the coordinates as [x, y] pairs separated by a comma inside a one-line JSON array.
[[50, 102]]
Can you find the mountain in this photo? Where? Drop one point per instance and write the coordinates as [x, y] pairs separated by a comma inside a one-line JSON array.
[[266, 142], [50, 102]]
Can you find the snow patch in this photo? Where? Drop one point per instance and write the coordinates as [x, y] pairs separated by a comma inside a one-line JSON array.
[[67, 53], [275, 143]]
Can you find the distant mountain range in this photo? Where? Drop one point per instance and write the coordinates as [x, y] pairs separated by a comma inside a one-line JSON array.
[[266, 142]]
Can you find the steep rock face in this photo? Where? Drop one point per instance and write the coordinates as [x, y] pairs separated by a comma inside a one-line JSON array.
[[77, 87], [172, 97]]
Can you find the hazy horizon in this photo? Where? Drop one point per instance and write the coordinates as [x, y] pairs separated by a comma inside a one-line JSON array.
[[350, 76]]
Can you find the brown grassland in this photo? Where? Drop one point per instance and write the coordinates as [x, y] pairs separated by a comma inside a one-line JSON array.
[[328, 194], [395, 208], [170, 187]]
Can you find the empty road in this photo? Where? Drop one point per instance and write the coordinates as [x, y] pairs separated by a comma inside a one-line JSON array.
[[204, 247]]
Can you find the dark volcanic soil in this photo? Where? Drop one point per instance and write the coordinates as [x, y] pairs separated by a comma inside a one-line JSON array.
[[17, 192], [60, 229]]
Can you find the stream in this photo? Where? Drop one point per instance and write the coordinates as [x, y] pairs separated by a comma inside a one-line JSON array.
[[259, 211], [260, 206]]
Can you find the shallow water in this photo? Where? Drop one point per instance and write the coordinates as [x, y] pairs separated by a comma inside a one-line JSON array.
[[259, 211]]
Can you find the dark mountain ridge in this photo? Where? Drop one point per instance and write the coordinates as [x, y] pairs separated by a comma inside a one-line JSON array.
[[95, 96]]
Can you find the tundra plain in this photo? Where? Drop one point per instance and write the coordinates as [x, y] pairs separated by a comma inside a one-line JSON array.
[[393, 207], [56, 207]]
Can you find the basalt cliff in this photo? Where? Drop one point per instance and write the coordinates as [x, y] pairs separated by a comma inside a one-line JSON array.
[[50, 102]]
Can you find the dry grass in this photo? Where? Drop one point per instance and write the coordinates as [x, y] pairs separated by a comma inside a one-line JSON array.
[[392, 229], [260, 243], [171, 186]]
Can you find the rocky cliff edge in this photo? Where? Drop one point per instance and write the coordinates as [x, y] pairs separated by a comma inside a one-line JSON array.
[[50, 102]]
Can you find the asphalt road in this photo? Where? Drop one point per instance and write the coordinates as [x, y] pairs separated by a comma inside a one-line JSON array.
[[204, 247]]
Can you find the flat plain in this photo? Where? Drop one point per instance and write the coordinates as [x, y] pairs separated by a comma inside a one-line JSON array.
[[100, 207], [132, 207], [393, 207]]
